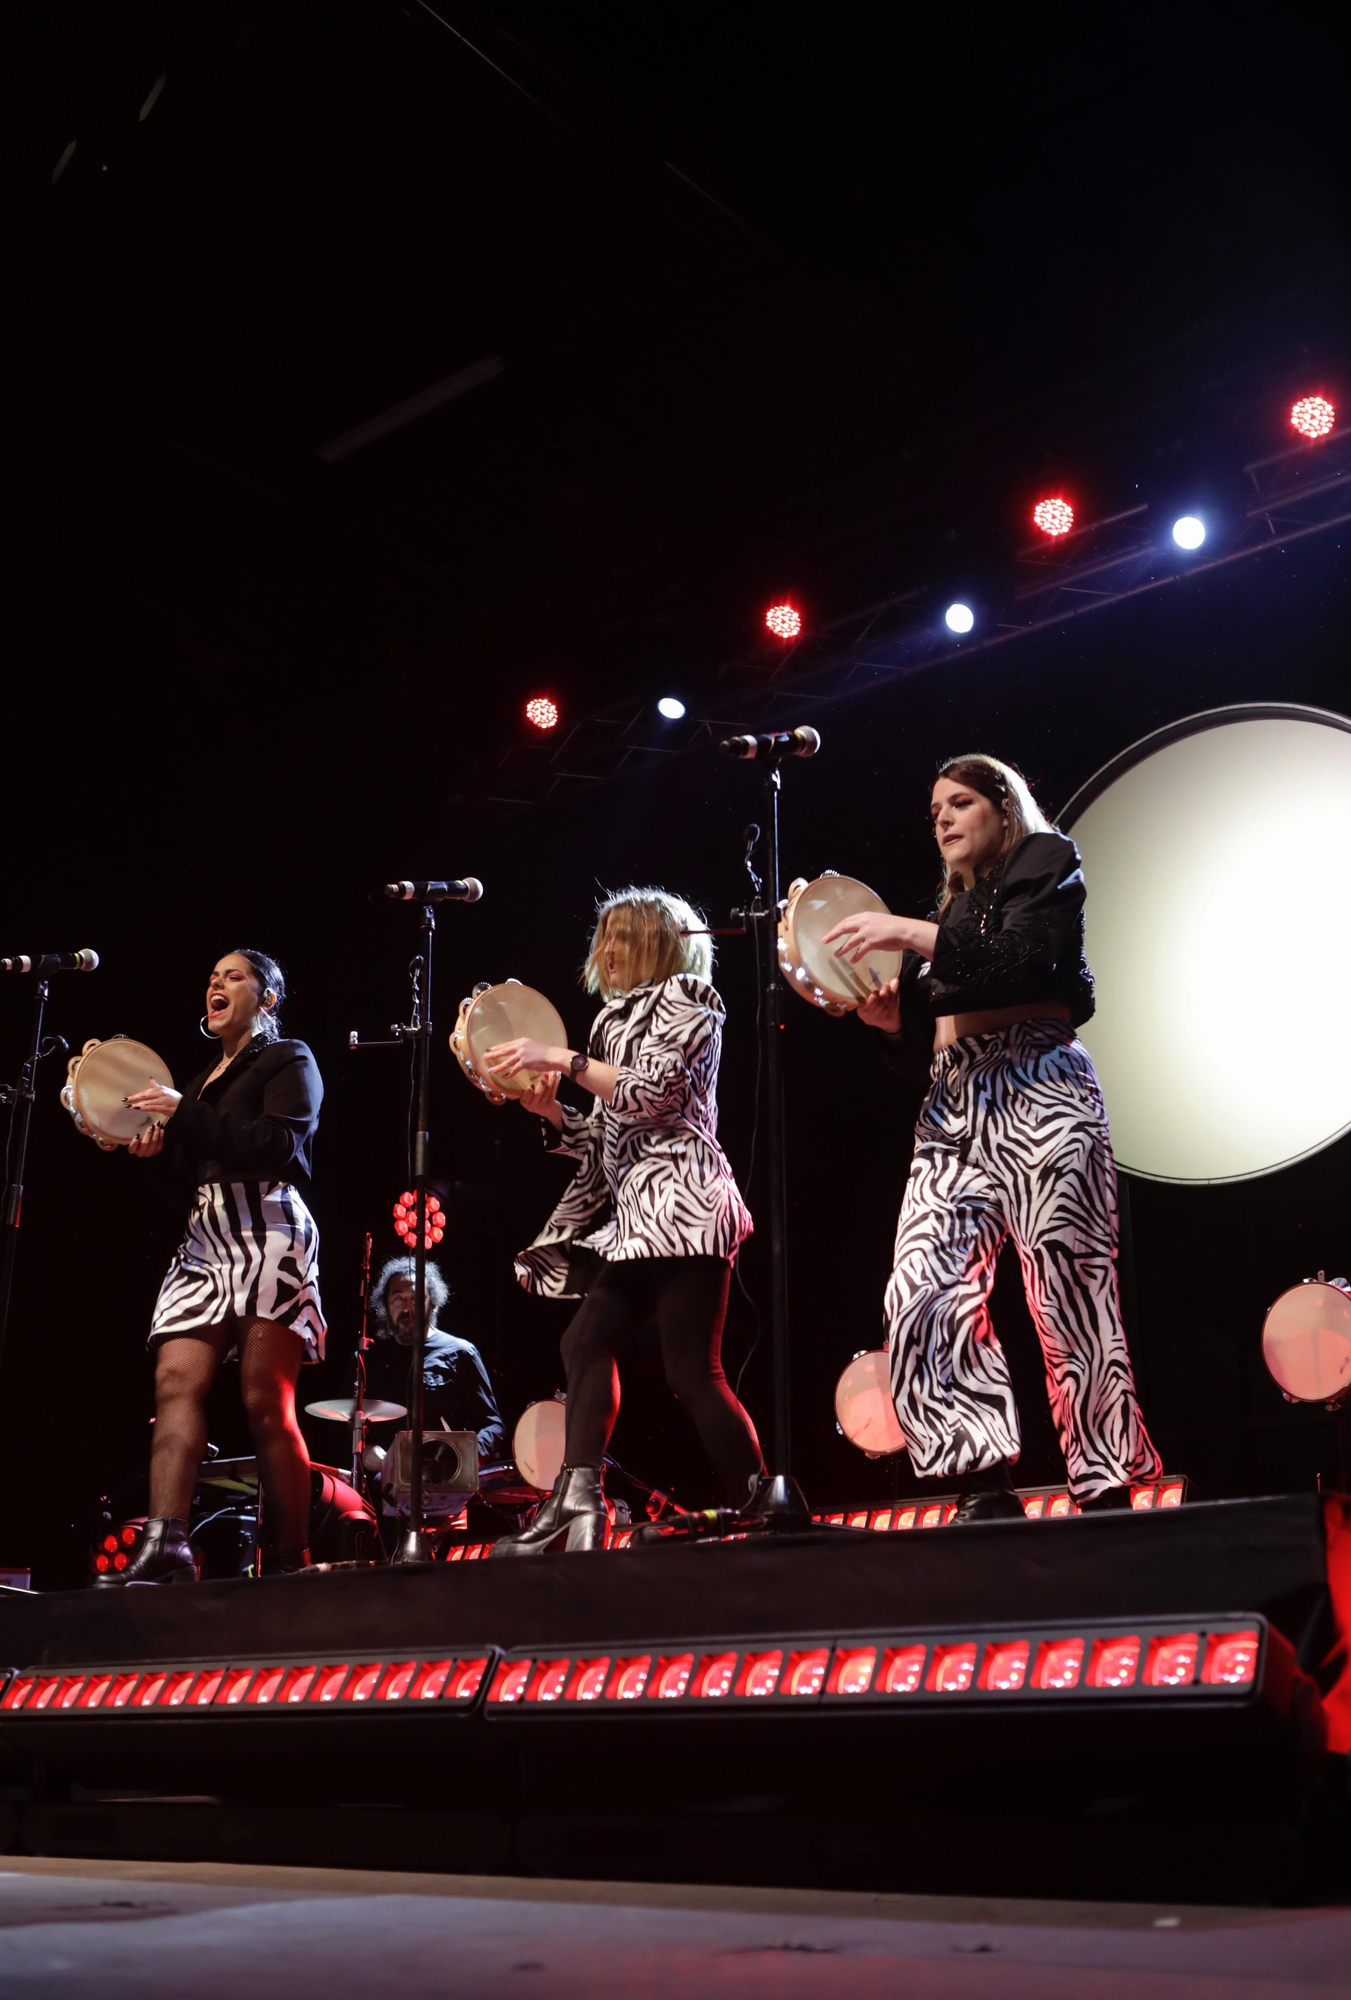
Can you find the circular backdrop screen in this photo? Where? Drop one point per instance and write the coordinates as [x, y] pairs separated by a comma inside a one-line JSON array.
[[1218, 859]]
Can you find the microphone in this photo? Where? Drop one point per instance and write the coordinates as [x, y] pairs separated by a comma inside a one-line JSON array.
[[52, 961], [803, 742], [467, 891]]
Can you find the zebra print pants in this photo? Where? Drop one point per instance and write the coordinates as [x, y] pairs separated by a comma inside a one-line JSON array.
[[1012, 1141]]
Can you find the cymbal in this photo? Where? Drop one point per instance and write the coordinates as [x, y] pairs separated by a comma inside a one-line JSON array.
[[339, 1410], [236, 1475]]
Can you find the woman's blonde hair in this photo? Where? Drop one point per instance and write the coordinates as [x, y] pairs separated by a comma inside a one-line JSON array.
[[652, 923], [1005, 787]]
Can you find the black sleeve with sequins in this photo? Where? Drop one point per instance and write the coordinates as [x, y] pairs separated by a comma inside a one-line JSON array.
[[1018, 936]]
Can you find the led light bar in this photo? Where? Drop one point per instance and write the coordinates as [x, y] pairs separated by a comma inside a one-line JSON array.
[[1040, 1503], [281, 1686], [1030, 1664]]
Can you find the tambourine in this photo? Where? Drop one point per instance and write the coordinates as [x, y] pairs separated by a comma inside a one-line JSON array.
[[99, 1081], [864, 1409], [811, 968], [1306, 1341], [537, 1444], [494, 1014]]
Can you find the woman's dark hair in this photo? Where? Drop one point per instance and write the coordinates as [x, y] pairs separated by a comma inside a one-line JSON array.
[[271, 978]]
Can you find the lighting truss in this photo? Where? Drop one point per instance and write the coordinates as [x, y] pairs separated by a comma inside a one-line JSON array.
[[1303, 491]]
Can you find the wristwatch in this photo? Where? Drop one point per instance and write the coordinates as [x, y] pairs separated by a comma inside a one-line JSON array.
[[577, 1065]]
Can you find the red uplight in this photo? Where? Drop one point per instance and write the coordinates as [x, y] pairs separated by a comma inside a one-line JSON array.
[[541, 712], [397, 1680], [1172, 1660], [467, 1679], [1004, 1667], [327, 1682], [588, 1679], [1114, 1662], [1059, 1664], [901, 1669], [672, 1677], [852, 1672], [265, 1687], [18, 1691], [176, 1691], [806, 1672], [760, 1673], [97, 1686], [430, 1680], [1231, 1659], [630, 1678], [551, 1678], [1313, 416], [784, 621], [1053, 517], [953, 1669], [362, 1684], [715, 1675]]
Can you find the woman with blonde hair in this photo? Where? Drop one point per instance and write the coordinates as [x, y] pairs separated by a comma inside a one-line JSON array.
[[653, 1219], [1011, 1141]]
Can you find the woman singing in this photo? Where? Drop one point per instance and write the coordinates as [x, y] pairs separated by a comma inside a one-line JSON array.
[[244, 1282], [651, 1223], [1011, 1141]]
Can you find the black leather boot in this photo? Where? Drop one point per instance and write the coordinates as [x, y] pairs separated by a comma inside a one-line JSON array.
[[288, 1562], [572, 1518], [988, 1495], [1112, 1500], [164, 1555]]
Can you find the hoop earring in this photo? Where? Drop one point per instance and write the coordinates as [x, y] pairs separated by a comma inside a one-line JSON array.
[[202, 1029]]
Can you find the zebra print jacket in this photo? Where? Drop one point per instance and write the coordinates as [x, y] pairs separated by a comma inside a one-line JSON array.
[[651, 1180]]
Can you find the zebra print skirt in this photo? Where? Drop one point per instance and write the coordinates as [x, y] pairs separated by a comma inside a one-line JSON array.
[[1012, 1141], [251, 1252]]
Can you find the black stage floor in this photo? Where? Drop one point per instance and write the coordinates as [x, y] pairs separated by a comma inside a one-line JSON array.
[[1107, 1703]]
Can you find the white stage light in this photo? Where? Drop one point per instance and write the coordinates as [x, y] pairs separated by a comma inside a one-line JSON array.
[[670, 708], [1219, 933], [1189, 533], [959, 618]]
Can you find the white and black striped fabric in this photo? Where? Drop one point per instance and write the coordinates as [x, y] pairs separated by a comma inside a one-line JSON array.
[[652, 1180], [251, 1252], [1012, 1141]]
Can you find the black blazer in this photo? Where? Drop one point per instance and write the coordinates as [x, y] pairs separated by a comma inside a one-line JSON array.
[[1016, 937], [255, 1123]]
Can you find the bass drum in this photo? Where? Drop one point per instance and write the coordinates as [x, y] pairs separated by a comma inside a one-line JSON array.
[[864, 1410], [98, 1083], [494, 1014], [1306, 1341], [811, 968], [537, 1444]]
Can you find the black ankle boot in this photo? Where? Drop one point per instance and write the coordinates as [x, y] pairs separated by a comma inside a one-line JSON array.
[[1112, 1500], [988, 1495], [288, 1562], [164, 1555], [572, 1518]]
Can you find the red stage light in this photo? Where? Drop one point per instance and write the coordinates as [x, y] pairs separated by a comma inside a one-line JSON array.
[[806, 1671], [296, 1684], [1313, 416], [760, 1673], [1059, 1664], [397, 1677], [1053, 517], [467, 1679], [630, 1678], [852, 1672], [327, 1685], [1172, 1660], [953, 1669], [588, 1679], [715, 1675], [1231, 1659], [362, 1684], [176, 1692], [900, 1670], [541, 713], [1114, 1662], [1004, 1667], [95, 1690], [550, 1680], [672, 1676], [265, 1687], [784, 621]]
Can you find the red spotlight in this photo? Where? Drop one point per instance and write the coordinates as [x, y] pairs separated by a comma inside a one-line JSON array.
[[1313, 416], [1053, 517], [541, 713], [784, 621]]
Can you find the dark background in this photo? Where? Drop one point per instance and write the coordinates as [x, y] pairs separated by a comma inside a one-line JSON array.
[[787, 301]]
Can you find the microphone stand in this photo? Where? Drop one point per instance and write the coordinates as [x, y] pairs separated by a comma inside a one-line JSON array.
[[359, 1372], [782, 1506], [414, 1544], [19, 1098]]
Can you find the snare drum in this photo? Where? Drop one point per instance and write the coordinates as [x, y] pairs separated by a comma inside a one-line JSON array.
[[99, 1081], [537, 1444], [494, 1014], [1306, 1341], [864, 1409], [811, 968]]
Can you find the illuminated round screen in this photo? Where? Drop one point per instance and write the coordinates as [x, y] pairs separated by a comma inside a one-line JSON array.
[[1217, 854]]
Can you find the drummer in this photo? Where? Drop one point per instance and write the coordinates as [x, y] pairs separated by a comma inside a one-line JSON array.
[[653, 1219], [244, 1283], [1011, 1141], [457, 1393]]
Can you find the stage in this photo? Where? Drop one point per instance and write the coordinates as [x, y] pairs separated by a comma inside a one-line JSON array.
[[1121, 1704]]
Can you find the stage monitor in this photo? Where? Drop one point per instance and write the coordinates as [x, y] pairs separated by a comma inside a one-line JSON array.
[[1217, 853]]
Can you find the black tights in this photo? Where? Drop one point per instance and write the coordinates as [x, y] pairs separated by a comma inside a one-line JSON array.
[[687, 1296]]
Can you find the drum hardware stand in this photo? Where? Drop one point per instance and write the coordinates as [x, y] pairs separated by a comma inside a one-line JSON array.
[[18, 1097], [415, 1544]]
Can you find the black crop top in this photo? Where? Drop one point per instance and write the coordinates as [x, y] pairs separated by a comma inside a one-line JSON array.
[[254, 1123], [1015, 938]]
